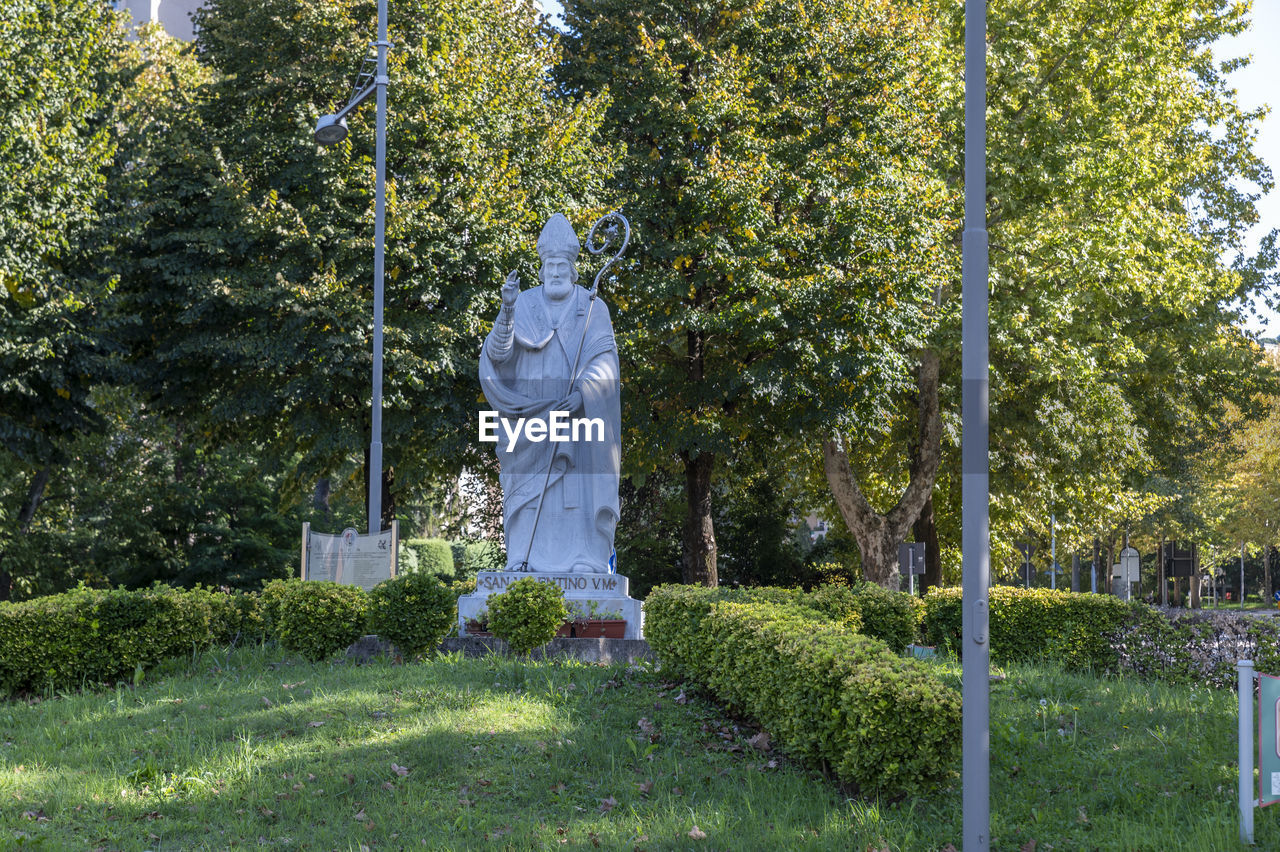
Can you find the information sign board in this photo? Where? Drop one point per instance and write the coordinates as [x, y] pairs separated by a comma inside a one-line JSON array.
[[350, 558]]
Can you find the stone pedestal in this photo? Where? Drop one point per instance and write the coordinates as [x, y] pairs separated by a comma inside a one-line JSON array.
[[607, 591]]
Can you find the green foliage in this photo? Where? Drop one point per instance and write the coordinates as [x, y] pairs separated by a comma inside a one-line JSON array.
[[1196, 647], [883, 723], [93, 635], [892, 617], [317, 618], [64, 77], [433, 556], [250, 247], [1074, 629], [270, 602], [528, 614], [776, 163], [412, 611]]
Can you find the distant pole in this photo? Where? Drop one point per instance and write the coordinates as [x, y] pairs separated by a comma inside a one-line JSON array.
[[975, 463], [1053, 552], [1242, 575]]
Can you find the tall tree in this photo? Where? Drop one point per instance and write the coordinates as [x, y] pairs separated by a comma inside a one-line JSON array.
[[1116, 161], [775, 166], [64, 71], [250, 267]]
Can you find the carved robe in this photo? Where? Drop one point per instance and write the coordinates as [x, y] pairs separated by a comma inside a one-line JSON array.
[[526, 374]]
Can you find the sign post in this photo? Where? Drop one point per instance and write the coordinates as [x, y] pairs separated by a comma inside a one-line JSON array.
[[1268, 744], [911, 561]]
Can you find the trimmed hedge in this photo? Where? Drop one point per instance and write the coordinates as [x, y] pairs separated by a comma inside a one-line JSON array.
[[427, 556], [881, 722], [412, 611], [103, 635], [1076, 629], [892, 617], [1195, 646], [318, 618]]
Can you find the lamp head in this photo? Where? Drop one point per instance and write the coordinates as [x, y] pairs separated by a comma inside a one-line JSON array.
[[330, 130]]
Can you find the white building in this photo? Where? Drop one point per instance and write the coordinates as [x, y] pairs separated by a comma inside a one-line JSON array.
[[173, 15]]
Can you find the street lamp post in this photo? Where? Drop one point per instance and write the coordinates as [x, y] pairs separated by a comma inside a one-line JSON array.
[[330, 130], [975, 465]]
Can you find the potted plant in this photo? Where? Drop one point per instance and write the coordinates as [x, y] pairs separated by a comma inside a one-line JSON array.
[[479, 625], [594, 623]]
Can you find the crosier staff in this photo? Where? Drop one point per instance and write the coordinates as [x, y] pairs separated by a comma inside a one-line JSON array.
[[614, 220]]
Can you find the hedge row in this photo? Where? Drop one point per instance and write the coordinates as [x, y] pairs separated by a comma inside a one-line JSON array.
[[90, 636], [98, 635], [1077, 630], [1189, 646], [881, 722]]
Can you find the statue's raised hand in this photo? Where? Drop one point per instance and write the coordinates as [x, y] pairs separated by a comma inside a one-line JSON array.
[[510, 290]]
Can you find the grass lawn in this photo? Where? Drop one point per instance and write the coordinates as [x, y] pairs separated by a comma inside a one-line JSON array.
[[256, 748]]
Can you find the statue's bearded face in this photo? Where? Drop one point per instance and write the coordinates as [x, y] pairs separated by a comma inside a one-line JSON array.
[[558, 277]]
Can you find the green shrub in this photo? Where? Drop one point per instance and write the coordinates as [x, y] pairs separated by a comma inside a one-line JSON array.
[[317, 618], [1075, 629], [269, 601], [412, 611], [426, 556], [892, 617], [528, 614], [101, 635], [881, 722]]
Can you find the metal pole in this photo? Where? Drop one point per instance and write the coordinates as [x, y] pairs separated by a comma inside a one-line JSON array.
[[975, 463], [1053, 553], [1245, 736], [379, 235], [1242, 575]]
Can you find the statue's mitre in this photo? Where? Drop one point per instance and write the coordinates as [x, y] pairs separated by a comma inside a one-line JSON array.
[[558, 238]]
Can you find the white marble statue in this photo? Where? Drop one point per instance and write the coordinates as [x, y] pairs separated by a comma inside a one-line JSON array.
[[560, 497]]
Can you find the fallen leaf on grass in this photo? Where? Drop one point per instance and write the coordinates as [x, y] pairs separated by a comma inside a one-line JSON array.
[[681, 699], [399, 770], [608, 804], [948, 848], [760, 741], [645, 787], [1081, 815], [360, 815], [314, 724], [1029, 846], [697, 833], [557, 789], [266, 701], [292, 685], [676, 791]]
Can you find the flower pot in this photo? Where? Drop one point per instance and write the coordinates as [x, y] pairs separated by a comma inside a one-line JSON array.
[[599, 628]]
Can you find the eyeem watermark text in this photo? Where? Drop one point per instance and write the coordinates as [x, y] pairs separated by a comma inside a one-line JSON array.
[[558, 427]]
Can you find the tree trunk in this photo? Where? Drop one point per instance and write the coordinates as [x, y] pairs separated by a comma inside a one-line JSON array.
[[1194, 582], [1266, 575], [320, 497], [925, 529], [1100, 571], [878, 535], [698, 561], [388, 497], [35, 496], [1163, 596]]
